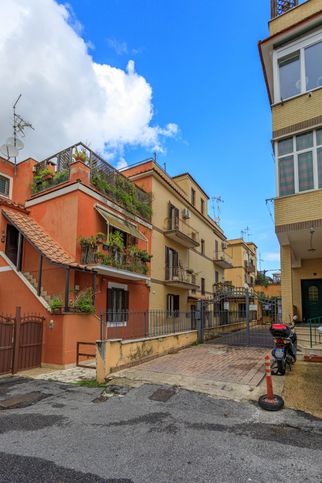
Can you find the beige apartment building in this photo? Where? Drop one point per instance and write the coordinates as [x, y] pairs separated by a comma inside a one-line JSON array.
[[292, 64], [188, 247], [243, 271]]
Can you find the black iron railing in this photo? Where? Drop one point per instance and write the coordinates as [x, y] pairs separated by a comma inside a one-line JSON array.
[[278, 7], [179, 274], [120, 258], [104, 177]]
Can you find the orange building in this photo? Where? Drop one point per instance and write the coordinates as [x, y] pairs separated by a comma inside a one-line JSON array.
[[75, 240]]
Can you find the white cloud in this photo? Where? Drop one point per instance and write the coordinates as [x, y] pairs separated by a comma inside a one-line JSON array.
[[120, 47], [66, 95], [271, 256], [121, 164]]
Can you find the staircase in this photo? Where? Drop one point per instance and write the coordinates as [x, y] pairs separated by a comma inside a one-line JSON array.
[[34, 283], [304, 341]]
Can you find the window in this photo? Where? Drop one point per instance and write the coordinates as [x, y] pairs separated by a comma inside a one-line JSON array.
[[313, 294], [300, 163], [203, 286], [202, 246], [216, 249], [202, 205], [173, 305], [216, 277], [193, 197], [172, 263], [4, 185], [173, 217], [290, 76], [117, 306], [299, 68]]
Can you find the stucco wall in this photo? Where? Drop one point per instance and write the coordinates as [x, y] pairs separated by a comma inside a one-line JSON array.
[[114, 354]]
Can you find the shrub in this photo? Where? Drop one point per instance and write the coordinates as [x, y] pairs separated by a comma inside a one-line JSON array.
[[84, 302]]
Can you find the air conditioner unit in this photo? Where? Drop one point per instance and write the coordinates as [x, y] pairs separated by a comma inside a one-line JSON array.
[[186, 213]]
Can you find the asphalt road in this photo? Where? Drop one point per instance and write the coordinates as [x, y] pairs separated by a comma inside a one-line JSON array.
[[66, 437]]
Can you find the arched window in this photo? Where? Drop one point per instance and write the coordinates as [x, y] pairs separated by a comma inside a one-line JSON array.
[[313, 293]]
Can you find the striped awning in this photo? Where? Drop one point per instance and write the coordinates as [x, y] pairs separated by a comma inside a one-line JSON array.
[[120, 223]]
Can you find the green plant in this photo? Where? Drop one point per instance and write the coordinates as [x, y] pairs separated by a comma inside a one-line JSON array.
[[45, 172], [55, 303], [89, 241], [80, 156], [101, 237], [84, 302], [190, 271], [116, 240], [143, 255], [60, 176]]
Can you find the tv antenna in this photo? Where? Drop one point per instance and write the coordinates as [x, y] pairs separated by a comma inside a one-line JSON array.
[[245, 233], [216, 207], [13, 145]]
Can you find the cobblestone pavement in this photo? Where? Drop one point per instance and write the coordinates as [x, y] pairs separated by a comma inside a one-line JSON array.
[[217, 363]]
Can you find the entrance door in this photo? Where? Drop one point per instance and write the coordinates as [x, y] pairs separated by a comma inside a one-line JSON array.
[[12, 243], [311, 298]]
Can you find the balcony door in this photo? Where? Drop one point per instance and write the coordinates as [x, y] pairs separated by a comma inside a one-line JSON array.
[[172, 263], [173, 217], [11, 249], [311, 298]]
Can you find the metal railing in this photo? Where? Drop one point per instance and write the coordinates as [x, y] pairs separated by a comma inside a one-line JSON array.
[[250, 267], [278, 7], [119, 258], [315, 323], [129, 324], [179, 274], [104, 177], [178, 224]]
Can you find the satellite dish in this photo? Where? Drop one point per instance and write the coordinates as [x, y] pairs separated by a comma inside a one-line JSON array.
[[9, 151], [19, 144]]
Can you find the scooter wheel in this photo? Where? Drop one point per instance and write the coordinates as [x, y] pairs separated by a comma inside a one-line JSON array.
[[281, 367], [274, 404]]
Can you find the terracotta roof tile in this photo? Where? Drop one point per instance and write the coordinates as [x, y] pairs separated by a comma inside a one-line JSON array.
[[7, 202], [41, 240]]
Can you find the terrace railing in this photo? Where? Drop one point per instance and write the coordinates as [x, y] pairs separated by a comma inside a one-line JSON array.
[[120, 258], [278, 7], [104, 177], [179, 274]]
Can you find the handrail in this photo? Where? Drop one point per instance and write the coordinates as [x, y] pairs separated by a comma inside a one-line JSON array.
[[313, 323]]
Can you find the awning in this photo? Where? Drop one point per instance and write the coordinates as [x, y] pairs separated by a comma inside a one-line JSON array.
[[120, 224]]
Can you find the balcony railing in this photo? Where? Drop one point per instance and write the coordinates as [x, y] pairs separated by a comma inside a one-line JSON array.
[[180, 275], [250, 267], [278, 7], [181, 231], [104, 177], [120, 259]]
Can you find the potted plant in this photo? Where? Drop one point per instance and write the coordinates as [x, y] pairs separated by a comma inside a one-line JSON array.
[[84, 302], [56, 305], [100, 238], [46, 174], [190, 271], [80, 156]]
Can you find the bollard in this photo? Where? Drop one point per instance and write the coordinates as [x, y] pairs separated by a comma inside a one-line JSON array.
[[270, 401]]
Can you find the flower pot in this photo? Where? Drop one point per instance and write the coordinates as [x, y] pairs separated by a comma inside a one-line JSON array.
[[47, 177]]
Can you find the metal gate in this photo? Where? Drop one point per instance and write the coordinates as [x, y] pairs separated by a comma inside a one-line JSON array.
[[20, 342], [239, 317]]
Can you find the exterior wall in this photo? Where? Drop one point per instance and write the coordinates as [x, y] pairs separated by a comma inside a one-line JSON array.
[[273, 290], [298, 208], [294, 16], [203, 265], [287, 283], [240, 252], [186, 183], [114, 354], [21, 178], [310, 269], [297, 110]]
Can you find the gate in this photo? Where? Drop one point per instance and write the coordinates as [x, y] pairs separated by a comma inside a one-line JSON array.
[[239, 317], [20, 342]]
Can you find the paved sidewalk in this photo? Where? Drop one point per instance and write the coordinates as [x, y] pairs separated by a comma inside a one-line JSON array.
[[220, 371], [73, 374]]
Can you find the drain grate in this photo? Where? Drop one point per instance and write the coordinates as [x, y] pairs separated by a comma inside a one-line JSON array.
[[162, 394]]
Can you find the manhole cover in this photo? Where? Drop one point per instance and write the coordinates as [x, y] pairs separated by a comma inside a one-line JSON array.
[[22, 400], [162, 395]]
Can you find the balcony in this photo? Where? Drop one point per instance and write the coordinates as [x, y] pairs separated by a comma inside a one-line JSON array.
[[181, 232], [105, 178], [115, 262], [250, 267], [223, 260], [278, 7], [180, 278]]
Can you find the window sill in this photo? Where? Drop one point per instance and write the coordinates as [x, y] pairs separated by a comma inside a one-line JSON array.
[[302, 94]]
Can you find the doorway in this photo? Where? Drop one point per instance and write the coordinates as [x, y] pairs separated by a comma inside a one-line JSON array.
[[311, 298], [12, 243]]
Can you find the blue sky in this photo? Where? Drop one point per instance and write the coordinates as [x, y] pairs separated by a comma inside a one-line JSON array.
[[201, 60]]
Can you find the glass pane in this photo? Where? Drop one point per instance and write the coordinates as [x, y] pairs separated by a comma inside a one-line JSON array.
[[313, 294], [305, 162], [4, 186], [304, 141], [286, 175], [285, 146], [319, 137], [319, 151], [290, 76], [313, 66]]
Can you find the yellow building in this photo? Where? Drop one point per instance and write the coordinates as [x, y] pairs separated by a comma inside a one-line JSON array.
[[243, 271], [188, 247], [292, 64]]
